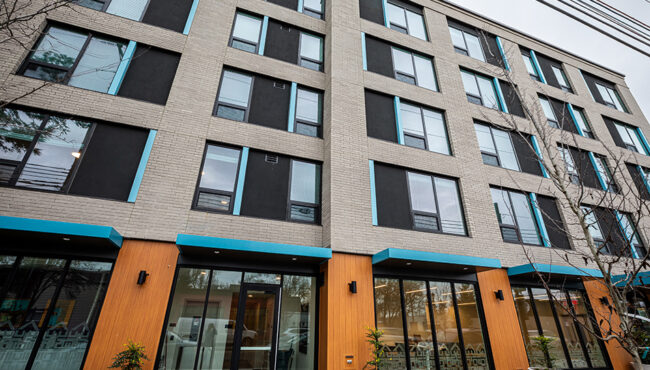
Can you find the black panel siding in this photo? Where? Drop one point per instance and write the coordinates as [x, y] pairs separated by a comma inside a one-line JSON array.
[[150, 74], [282, 42], [511, 99], [546, 64], [527, 157], [491, 49], [291, 4], [563, 116], [170, 14], [393, 209], [266, 189], [585, 168], [372, 10], [638, 180], [270, 102], [380, 116], [611, 231], [379, 56], [110, 162], [591, 84], [614, 132], [553, 221]]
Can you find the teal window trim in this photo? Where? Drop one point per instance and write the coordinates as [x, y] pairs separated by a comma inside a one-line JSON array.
[[398, 121], [241, 177], [292, 107], [363, 51], [641, 137], [497, 89], [588, 89], [135, 188], [537, 67], [265, 27], [602, 182], [122, 68], [533, 139], [553, 269], [540, 221], [503, 53], [373, 193], [575, 120], [190, 17], [301, 6], [384, 6], [645, 181], [628, 240]]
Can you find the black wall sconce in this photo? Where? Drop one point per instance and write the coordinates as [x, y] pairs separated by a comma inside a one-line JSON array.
[[353, 287], [142, 277], [499, 294], [604, 301]]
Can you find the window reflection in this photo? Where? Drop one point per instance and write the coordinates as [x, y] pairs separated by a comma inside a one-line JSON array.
[[389, 319], [297, 337]]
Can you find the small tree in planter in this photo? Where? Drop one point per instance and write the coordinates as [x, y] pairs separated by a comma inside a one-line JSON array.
[[374, 338], [544, 344], [132, 358]]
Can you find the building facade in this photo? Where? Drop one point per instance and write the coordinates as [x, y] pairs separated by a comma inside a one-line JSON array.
[[249, 184]]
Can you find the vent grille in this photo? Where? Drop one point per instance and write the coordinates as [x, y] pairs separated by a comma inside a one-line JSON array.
[[279, 85], [271, 158]]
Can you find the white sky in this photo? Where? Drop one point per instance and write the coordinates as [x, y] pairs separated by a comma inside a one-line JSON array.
[[546, 24]]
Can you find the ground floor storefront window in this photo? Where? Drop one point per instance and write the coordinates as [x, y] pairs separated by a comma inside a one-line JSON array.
[[430, 325], [221, 319], [48, 309], [552, 316]]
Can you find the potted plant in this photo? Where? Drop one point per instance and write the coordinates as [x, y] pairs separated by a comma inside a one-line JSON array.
[[132, 358], [544, 345], [374, 338]]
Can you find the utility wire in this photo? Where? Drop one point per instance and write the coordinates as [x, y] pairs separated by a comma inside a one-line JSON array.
[[621, 13], [613, 19]]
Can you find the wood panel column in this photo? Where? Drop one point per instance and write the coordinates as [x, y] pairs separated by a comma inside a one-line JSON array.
[[508, 350], [595, 291], [344, 316], [131, 311]]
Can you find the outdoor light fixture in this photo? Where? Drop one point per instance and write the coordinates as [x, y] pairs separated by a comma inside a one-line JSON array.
[[499, 294], [604, 301], [142, 277], [353, 287]]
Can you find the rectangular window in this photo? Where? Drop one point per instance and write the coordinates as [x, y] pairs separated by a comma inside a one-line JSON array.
[[406, 21], [309, 112], [480, 89], [630, 137], [467, 44], [583, 123], [631, 235], [561, 78], [549, 112], [313, 8], [516, 219], [75, 58], [570, 165], [611, 97], [414, 69], [311, 51], [410, 311], [305, 192], [530, 67], [217, 180], [234, 96], [424, 128], [496, 147], [605, 174], [246, 32], [435, 204], [594, 228]]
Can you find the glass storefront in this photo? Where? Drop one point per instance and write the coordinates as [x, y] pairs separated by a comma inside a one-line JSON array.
[[240, 320], [48, 310], [430, 325], [550, 317]]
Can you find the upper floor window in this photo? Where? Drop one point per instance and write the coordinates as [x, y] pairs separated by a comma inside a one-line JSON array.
[[467, 44], [309, 112], [480, 89], [570, 164], [583, 123], [641, 178], [515, 216], [311, 51], [496, 147], [530, 66], [558, 72], [414, 69], [218, 177], [234, 96], [611, 97], [604, 92], [246, 32], [630, 137], [403, 18], [605, 174], [424, 128], [313, 8], [435, 205], [613, 232], [549, 112], [305, 191]]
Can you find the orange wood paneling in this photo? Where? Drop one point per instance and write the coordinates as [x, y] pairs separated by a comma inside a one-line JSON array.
[[131, 311], [347, 315], [596, 290], [507, 344]]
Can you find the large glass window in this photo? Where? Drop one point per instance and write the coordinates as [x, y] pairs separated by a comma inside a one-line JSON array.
[[449, 310], [435, 204], [305, 192], [75, 58], [514, 212], [238, 319], [414, 69], [246, 32], [309, 112], [311, 51], [496, 147], [530, 66], [570, 165], [217, 180], [611, 97], [49, 310], [424, 128], [630, 137], [406, 20], [631, 235], [561, 78], [234, 96], [552, 316], [583, 123], [549, 112], [480, 90], [467, 44]]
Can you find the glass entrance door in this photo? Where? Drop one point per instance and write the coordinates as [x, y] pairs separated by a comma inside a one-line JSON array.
[[256, 327]]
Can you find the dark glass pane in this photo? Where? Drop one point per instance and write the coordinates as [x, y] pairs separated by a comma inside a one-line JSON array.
[[297, 323], [470, 324], [217, 202], [98, 65], [6, 267], [305, 182], [45, 73], [59, 47], [311, 65], [92, 4], [23, 310], [474, 99], [423, 222], [308, 130], [398, 28], [75, 314], [405, 78], [303, 213], [257, 330], [220, 167], [449, 208], [549, 328], [262, 278], [587, 327], [415, 142], [389, 319], [529, 330], [312, 14], [490, 159], [444, 317], [244, 46], [235, 114], [419, 325], [509, 234], [569, 329], [17, 131]]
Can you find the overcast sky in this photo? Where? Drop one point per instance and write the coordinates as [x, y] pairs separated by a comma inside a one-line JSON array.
[[555, 28]]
